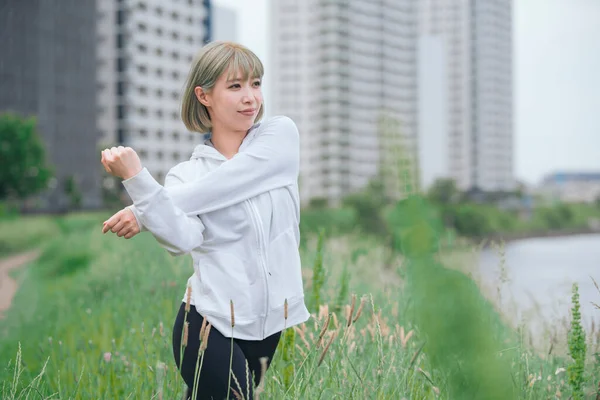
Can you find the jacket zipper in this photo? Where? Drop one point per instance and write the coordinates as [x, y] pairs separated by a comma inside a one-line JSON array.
[[260, 240]]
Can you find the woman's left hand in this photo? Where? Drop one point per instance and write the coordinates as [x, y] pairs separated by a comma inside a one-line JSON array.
[[122, 162]]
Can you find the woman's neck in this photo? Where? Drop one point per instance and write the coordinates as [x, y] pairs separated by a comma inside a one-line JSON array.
[[227, 143]]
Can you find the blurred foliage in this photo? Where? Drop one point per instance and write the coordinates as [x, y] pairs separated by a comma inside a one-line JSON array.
[[73, 193], [370, 213], [367, 205], [23, 171]]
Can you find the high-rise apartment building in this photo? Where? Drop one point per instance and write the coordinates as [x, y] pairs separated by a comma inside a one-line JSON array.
[[345, 72], [47, 71], [225, 26], [145, 50], [466, 93]]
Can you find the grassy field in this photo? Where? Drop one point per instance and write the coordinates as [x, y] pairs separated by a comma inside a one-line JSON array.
[[93, 319]]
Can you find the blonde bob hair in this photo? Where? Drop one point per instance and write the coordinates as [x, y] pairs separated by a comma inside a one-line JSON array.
[[213, 60]]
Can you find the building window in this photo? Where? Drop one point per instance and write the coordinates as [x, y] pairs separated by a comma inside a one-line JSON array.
[[120, 88], [120, 17], [121, 113], [121, 64]]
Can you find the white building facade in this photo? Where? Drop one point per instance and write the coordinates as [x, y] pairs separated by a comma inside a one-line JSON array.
[[225, 25], [337, 68], [145, 50], [467, 47]]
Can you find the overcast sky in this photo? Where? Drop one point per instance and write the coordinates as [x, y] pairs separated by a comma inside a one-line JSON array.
[[556, 87]]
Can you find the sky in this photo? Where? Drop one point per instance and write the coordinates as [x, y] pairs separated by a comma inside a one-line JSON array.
[[556, 89]]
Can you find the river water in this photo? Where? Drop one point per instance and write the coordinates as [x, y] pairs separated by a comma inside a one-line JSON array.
[[540, 273]]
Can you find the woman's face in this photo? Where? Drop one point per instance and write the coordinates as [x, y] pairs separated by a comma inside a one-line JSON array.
[[233, 103]]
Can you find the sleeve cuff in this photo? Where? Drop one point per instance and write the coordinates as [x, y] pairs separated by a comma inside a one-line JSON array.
[[141, 186]]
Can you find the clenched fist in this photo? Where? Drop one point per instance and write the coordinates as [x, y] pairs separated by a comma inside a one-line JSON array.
[[123, 224], [122, 162]]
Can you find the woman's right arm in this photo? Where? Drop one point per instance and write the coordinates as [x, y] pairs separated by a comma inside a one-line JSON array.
[[271, 160]]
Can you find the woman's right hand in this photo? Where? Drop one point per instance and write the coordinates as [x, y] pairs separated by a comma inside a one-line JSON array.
[[123, 223]]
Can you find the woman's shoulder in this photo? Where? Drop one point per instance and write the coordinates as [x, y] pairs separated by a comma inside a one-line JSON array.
[[282, 121], [279, 124]]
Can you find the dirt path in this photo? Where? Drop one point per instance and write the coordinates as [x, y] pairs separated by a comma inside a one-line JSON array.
[[8, 286]]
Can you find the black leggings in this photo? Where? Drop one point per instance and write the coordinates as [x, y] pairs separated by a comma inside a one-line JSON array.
[[214, 375]]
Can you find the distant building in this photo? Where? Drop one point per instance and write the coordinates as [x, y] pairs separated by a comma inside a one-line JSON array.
[[572, 187], [225, 24], [466, 93], [48, 70], [145, 50], [346, 73]]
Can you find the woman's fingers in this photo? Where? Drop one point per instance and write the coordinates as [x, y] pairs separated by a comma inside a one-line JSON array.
[[111, 222], [123, 224], [119, 226]]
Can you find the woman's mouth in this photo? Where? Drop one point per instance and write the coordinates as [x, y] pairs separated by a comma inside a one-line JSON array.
[[248, 112]]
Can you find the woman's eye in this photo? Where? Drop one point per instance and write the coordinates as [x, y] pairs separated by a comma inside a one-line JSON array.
[[257, 83], [234, 86]]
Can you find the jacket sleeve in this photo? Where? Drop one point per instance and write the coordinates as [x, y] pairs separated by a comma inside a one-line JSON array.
[[175, 231], [270, 160]]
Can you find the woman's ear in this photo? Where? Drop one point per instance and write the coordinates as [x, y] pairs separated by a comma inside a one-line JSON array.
[[202, 96]]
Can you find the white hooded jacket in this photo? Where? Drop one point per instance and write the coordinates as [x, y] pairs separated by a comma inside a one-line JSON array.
[[239, 219]]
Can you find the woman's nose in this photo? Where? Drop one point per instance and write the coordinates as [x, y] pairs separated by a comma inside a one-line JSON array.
[[248, 96]]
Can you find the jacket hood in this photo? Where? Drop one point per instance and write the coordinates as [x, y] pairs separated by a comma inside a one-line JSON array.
[[206, 150]]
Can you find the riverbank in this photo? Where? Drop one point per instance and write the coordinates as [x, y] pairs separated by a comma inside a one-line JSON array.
[[514, 236]]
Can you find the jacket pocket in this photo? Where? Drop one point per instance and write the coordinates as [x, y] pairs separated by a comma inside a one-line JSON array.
[[285, 281], [224, 278]]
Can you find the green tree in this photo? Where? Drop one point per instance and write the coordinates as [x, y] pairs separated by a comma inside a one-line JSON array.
[[23, 170], [73, 192], [368, 205], [443, 191]]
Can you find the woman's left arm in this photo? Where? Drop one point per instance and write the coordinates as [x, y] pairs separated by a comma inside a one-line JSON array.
[[271, 160]]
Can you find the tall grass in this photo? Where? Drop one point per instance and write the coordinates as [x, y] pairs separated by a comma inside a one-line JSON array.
[[103, 329]]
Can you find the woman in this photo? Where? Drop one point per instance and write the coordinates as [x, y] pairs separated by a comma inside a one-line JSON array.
[[235, 207]]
